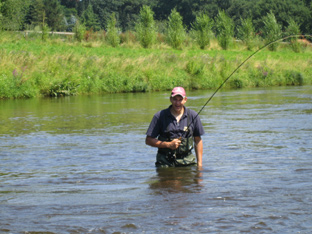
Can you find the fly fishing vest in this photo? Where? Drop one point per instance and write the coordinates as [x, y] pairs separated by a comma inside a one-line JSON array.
[[185, 147]]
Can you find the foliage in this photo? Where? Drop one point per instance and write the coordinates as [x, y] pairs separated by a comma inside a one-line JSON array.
[[90, 19], [13, 13], [175, 30], [294, 29], [18, 14], [225, 30], [202, 30], [79, 30], [112, 32], [54, 14], [145, 28], [246, 33], [45, 32], [272, 30], [60, 67]]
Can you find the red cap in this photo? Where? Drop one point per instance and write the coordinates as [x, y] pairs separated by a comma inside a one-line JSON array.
[[178, 91]]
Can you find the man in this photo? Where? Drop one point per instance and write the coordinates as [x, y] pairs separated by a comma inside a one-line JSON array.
[[174, 131]]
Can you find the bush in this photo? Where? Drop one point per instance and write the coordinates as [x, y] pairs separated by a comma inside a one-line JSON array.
[[145, 28], [294, 78], [79, 30], [294, 29], [225, 30], [175, 30], [45, 32], [112, 36], [246, 33], [201, 30], [272, 31]]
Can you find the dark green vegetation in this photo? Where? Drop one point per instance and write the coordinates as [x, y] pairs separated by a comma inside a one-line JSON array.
[[61, 15]]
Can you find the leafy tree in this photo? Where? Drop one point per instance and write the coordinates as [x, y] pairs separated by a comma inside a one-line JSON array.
[[79, 30], [90, 19], [293, 29], [54, 14], [202, 30], [225, 30], [14, 13], [45, 30], [112, 31], [129, 12], [36, 13], [104, 8], [175, 30], [145, 27], [1, 17], [246, 32], [271, 30]]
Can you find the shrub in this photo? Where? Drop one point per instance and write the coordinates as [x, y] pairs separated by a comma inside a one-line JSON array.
[[294, 78], [225, 30], [246, 33], [293, 29], [112, 36], [45, 32], [79, 30], [271, 30], [145, 28], [201, 30], [175, 30]]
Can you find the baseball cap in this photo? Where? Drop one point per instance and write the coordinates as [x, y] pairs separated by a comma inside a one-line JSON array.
[[178, 91]]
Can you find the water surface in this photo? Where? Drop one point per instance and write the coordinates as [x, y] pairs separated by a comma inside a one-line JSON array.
[[80, 165]]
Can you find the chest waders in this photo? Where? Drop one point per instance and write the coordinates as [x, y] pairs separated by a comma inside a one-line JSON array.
[[183, 150]]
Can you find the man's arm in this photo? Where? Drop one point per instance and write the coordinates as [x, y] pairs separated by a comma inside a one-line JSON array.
[[174, 144], [199, 150]]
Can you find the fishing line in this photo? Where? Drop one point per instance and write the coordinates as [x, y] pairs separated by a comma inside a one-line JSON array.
[[272, 42]]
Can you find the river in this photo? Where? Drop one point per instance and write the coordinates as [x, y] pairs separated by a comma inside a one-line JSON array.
[[80, 165]]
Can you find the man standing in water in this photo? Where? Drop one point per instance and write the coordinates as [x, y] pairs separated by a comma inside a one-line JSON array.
[[174, 131]]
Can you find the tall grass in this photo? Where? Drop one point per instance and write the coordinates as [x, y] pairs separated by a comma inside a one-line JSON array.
[[59, 67]]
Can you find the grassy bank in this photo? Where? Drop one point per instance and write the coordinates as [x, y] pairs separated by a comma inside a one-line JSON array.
[[32, 68]]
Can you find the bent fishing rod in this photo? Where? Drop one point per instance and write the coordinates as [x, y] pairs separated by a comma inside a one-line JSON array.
[[239, 66]]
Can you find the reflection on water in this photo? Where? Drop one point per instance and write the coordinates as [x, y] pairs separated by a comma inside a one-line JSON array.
[[175, 180], [80, 165]]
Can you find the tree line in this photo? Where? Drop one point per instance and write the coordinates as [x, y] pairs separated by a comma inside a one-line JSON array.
[[61, 15], [202, 19]]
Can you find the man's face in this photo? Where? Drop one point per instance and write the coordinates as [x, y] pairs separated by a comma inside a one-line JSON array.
[[178, 103]]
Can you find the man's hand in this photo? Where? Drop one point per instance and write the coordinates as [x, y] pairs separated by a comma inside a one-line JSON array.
[[174, 144]]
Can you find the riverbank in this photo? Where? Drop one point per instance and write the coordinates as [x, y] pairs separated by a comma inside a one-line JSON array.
[[32, 68]]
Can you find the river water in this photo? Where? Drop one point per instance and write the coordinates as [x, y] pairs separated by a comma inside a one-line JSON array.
[[80, 165]]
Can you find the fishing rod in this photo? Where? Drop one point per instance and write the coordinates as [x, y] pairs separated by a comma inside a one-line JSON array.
[[239, 66]]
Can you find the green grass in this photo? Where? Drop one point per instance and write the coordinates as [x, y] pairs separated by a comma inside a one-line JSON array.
[[32, 68]]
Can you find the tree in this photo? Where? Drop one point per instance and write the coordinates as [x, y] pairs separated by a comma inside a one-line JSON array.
[[1, 4], [90, 19], [293, 29], [145, 28], [175, 30], [36, 12], [225, 30], [112, 31], [79, 30], [54, 14], [14, 13], [271, 30], [103, 10], [201, 29], [246, 32]]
